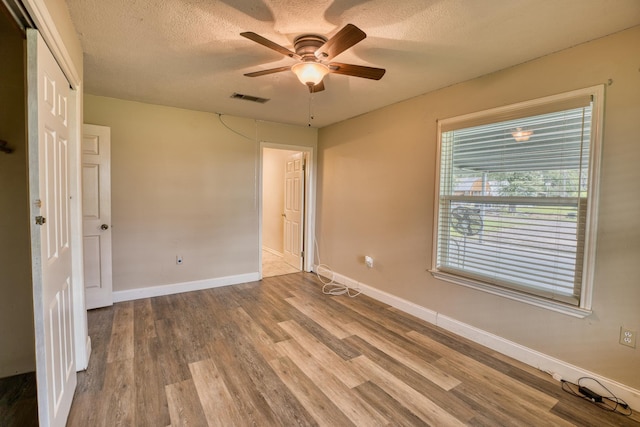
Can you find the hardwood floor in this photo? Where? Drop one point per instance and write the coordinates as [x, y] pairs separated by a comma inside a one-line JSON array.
[[280, 353]]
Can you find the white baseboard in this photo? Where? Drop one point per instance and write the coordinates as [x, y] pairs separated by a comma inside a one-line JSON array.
[[176, 288], [88, 349], [82, 365], [519, 352], [272, 251]]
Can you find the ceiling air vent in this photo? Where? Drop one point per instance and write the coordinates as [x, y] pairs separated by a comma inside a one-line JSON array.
[[249, 98]]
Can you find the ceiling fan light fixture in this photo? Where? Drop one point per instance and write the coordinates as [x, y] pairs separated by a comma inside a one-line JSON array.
[[521, 135], [310, 73]]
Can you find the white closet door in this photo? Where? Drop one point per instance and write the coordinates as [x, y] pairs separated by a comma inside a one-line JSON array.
[[48, 126]]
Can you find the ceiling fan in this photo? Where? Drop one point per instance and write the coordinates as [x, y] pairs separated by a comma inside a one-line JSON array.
[[314, 53]]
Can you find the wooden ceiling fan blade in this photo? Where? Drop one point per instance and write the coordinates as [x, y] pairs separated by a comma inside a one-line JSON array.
[[268, 43], [317, 88], [347, 37], [269, 71], [357, 70]]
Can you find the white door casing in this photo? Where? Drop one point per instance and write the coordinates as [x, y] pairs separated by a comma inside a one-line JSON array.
[[294, 209], [48, 129], [96, 215]]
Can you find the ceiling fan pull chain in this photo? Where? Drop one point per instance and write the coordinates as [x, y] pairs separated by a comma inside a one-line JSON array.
[[310, 107]]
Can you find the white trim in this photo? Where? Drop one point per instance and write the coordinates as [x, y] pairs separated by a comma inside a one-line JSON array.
[[81, 329], [541, 302], [593, 200], [88, 347], [273, 251], [436, 204], [176, 288], [534, 358]]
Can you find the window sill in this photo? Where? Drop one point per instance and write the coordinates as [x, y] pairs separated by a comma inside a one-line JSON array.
[[558, 307]]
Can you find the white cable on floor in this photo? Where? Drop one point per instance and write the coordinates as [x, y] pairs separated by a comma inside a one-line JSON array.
[[330, 287]]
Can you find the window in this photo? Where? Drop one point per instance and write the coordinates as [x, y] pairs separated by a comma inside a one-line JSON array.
[[516, 200]]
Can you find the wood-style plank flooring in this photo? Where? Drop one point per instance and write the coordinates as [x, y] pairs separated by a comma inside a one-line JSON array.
[[280, 353]]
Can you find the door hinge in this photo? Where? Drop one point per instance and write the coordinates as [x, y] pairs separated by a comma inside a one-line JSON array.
[[40, 220], [302, 254], [304, 166]]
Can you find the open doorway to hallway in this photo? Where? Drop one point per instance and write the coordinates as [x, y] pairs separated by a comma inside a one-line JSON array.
[[283, 194]]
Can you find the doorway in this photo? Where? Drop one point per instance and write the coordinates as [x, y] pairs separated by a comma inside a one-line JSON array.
[[285, 201]]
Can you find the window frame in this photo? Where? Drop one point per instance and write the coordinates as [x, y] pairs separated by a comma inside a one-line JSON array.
[[521, 110]]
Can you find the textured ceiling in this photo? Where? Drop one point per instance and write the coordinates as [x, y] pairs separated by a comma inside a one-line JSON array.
[[189, 53]]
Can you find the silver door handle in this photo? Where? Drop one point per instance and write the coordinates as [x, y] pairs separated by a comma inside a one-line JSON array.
[[104, 227]]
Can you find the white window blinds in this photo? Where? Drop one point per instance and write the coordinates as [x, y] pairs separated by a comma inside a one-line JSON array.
[[513, 196]]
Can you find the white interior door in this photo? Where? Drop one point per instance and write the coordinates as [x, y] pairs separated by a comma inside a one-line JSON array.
[[48, 127], [293, 209], [96, 215]]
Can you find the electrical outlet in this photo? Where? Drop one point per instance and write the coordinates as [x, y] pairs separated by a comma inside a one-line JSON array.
[[628, 337], [179, 259]]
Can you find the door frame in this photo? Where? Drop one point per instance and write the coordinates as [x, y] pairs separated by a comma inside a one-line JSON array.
[[309, 201], [44, 22]]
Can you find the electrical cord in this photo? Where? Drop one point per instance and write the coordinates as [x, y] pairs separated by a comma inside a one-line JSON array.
[[330, 287], [235, 131], [615, 402]]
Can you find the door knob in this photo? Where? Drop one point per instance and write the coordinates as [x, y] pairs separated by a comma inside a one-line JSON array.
[[104, 227]]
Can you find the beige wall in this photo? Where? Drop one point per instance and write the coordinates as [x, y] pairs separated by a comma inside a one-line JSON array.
[[183, 184], [17, 349], [273, 164], [376, 192]]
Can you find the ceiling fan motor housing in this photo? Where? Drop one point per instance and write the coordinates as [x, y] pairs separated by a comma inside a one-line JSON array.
[[306, 46]]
